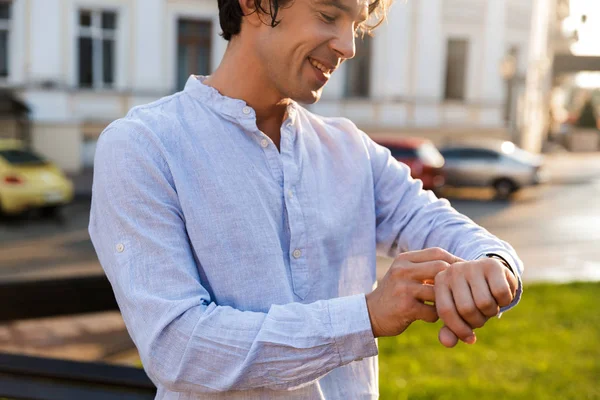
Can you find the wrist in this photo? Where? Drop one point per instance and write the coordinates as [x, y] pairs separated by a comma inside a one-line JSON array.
[[374, 328], [502, 260]]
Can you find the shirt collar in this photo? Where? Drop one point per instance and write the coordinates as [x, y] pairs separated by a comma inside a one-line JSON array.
[[235, 108]]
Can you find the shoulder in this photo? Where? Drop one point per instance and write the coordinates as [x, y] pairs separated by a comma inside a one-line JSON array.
[[160, 125], [339, 131]]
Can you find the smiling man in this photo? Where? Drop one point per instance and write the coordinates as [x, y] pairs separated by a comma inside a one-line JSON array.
[[240, 231]]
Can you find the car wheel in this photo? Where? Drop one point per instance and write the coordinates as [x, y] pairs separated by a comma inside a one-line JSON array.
[[504, 188], [50, 211]]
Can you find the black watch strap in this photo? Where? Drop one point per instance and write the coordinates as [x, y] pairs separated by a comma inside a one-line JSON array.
[[501, 259]]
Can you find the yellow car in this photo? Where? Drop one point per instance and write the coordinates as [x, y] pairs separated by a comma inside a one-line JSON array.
[[28, 181]]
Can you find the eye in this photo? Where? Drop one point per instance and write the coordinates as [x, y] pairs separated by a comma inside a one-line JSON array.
[[328, 18]]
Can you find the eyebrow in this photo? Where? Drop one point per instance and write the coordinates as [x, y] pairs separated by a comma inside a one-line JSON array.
[[337, 4]]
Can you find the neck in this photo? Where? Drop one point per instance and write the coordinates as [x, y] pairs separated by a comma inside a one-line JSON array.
[[249, 83]]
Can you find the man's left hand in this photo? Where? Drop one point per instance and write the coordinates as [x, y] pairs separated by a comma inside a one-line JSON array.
[[469, 293]]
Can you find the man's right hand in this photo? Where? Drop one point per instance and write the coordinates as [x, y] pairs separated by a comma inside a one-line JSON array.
[[400, 297]]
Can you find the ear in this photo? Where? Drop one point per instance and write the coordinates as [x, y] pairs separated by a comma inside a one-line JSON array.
[[250, 11]]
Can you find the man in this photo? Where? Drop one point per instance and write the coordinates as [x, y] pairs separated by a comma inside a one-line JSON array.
[[239, 231]]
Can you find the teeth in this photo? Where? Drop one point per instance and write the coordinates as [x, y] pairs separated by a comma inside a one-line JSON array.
[[319, 66]]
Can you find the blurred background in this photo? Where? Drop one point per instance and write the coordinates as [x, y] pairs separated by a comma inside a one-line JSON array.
[[492, 103]]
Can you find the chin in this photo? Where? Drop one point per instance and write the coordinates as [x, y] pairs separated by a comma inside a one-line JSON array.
[[309, 98]]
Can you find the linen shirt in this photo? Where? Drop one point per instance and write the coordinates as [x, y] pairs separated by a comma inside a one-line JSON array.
[[241, 270]]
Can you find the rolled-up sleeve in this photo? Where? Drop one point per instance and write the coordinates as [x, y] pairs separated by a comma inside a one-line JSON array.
[[410, 218], [186, 341]]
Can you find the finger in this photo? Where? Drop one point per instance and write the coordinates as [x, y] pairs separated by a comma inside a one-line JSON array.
[[465, 303], [499, 287], [513, 282], [444, 303], [426, 313], [431, 254], [426, 271], [425, 293], [447, 337], [484, 300]]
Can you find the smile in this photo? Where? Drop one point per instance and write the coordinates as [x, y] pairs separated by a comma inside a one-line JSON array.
[[320, 67]]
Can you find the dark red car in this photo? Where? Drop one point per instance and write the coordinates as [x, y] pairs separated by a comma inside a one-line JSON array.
[[423, 158]]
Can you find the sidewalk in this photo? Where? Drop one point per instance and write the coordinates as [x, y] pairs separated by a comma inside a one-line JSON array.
[[92, 337], [572, 168]]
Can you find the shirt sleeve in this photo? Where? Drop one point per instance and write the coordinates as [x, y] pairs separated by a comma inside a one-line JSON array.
[[185, 340], [410, 218]]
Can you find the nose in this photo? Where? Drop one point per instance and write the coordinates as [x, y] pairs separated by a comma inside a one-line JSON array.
[[343, 44]]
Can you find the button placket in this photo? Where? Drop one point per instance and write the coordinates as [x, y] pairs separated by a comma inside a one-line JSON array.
[[301, 278]]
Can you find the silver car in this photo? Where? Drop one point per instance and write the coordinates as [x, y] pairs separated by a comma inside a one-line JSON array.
[[495, 163]]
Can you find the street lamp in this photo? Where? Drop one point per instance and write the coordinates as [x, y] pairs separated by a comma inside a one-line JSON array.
[[508, 71]]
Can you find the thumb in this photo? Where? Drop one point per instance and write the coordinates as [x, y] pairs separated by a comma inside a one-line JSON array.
[[447, 337]]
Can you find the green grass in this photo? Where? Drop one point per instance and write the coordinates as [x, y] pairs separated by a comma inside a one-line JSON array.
[[548, 347]]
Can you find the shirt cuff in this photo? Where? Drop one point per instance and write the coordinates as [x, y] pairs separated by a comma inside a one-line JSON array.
[[351, 328], [515, 270]]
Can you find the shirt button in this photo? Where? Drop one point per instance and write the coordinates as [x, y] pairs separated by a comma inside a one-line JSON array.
[[290, 193], [246, 110], [264, 143], [297, 253], [120, 248]]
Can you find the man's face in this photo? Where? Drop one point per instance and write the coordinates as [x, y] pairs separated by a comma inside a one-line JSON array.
[[313, 39]]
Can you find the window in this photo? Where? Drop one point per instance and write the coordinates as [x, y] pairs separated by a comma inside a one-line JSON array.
[[96, 45], [481, 155], [399, 152], [5, 14], [451, 154], [193, 49], [358, 74], [19, 157], [470, 154], [456, 69]]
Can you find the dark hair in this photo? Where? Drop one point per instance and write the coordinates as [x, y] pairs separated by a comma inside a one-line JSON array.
[[230, 14]]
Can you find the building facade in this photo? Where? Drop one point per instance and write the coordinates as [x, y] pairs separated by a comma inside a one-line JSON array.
[[436, 64], [80, 64]]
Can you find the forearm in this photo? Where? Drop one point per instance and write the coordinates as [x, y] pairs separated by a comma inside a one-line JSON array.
[[215, 349]]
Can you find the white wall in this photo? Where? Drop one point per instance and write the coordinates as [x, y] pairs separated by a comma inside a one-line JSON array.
[[148, 46], [46, 45], [391, 53], [428, 62], [494, 50], [19, 44]]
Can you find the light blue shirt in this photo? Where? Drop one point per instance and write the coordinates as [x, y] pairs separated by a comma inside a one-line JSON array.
[[241, 270]]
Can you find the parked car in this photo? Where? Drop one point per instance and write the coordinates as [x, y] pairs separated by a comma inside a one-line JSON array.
[[423, 158], [496, 163], [29, 181]]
